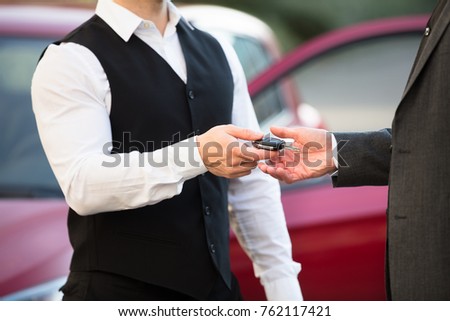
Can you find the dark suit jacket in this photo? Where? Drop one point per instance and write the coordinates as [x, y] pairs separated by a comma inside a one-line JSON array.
[[414, 159]]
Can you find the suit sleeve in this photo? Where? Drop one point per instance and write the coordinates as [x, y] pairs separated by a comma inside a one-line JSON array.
[[364, 158]]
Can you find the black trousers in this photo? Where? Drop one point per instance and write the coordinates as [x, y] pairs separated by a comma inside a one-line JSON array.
[[103, 286]]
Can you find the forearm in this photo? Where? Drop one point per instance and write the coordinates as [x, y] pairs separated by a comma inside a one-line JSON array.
[[114, 182], [258, 221], [364, 158]]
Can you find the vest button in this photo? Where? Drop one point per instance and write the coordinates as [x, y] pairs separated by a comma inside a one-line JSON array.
[[191, 94], [427, 31], [213, 248], [207, 211]]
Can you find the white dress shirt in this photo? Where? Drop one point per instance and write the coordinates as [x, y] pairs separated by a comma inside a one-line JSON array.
[[72, 101]]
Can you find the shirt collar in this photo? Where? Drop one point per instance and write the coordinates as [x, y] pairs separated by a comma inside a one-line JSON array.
[[125, 23]]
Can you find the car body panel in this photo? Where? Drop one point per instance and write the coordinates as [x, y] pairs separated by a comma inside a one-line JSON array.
[[338, 236], [34, 245]]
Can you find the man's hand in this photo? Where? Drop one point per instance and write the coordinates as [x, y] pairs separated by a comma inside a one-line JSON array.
[[315, 158], [224, 155]]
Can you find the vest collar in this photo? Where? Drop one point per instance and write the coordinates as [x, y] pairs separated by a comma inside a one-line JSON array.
[[125, 23]]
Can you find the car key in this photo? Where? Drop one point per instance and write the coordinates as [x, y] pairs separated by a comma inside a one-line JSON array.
[[271, 143]]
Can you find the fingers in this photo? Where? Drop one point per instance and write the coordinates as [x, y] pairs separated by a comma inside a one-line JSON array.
[[263, 167], [302, 135], [243, 133], [227, 156], [277, 173], [284, 132], [247, 158], [255, 154], [249, 165], [243, 169]]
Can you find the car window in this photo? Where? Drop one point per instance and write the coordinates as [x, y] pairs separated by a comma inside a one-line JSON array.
[[24, 169], [358, 86], [271, 106], [254, 58]]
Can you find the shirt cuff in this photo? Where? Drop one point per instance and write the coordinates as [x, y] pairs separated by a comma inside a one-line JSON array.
[[335, 150], [286, 289]]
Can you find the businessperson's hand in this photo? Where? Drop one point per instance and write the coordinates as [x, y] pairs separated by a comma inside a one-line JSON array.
[[314, 158], [225, 155]]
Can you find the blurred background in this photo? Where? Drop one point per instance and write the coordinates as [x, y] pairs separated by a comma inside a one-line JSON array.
[[295, 21]]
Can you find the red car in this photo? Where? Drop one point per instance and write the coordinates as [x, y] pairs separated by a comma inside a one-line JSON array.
[[338, 234]]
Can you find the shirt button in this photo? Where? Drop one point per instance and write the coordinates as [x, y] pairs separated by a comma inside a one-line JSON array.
[[146, 25], [207, 211], [191, 94], [213, 248], [427, 31]]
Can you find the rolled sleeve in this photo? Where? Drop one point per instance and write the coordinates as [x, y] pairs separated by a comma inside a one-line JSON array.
[[258, 220], [286, 289]]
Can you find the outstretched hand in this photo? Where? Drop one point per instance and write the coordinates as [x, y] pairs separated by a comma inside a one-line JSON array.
[[315, 158], [225, 155]]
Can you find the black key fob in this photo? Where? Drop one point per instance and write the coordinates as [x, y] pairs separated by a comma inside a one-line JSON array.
[[269, 143]]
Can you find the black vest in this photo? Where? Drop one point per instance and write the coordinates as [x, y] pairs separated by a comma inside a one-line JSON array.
[[180, 243]]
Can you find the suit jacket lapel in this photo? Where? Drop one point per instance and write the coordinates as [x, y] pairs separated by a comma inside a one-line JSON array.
[[433, 39]]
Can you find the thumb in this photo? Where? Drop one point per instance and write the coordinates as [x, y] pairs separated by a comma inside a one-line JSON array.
[[243, 133], [284, 132]]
